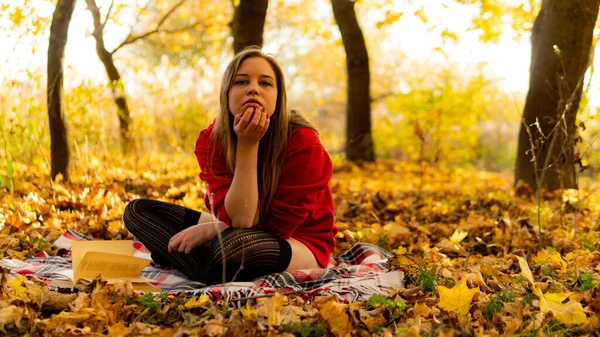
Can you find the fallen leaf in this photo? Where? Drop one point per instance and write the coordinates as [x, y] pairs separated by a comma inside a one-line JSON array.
[[421, 309], [18, 284], [525, 271], [458, 236], [269, 308], [118, 330], [292, 314], [592, 324], [57, 301], [448, 246], [11, 316], [551, 257], [370, 318], [514, 319], [335, 314], [557, 297], [202, 301], [248, 312], [477, 278], [458, 298], [568, 313], [215, 328], [400, 250]]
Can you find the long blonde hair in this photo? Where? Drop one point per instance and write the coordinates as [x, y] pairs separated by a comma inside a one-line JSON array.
[[273, 145]]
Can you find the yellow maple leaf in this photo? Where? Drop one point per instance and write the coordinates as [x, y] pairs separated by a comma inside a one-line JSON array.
[[458, 298], [400, 250], [248, 312], [558, 297], [335, 314], [553, 258], [202, 301], [18, 284], [568, 313]]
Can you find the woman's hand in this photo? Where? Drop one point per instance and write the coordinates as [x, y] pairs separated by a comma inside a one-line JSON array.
[[191, 237], [251, 125]]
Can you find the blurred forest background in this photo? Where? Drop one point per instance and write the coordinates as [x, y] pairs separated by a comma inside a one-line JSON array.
[[448, 79]]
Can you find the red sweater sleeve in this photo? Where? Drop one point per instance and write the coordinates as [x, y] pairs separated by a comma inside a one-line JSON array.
[[305, 175], [214, 172]]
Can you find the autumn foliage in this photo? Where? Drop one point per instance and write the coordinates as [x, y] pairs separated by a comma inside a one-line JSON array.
[[477, 261], [480, 256]]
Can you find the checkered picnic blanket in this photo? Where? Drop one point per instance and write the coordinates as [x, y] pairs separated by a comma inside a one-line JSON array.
[[357, 274]]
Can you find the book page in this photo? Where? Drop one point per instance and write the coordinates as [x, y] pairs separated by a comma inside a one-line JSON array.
[[110, 266], [80, 248]]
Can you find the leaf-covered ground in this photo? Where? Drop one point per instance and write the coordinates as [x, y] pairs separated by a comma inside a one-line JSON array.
[[479, 260]]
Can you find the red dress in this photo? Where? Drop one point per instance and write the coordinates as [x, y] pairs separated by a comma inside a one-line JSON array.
[[302, 207]]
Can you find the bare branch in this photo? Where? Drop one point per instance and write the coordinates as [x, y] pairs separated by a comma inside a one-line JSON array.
[[112, 2], [180, 29], [131, 39], [145, 35], [169, 13], [384, 96], [93, 8]]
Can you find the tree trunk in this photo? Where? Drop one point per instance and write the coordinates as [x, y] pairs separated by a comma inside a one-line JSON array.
[[116, 85], [59, 146], [561, 45], [248, 24], [359, 141]]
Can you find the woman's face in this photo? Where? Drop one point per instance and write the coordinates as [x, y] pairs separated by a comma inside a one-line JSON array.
[[254, 85]]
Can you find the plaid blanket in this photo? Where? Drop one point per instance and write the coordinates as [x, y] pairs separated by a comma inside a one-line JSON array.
[[355, 275]]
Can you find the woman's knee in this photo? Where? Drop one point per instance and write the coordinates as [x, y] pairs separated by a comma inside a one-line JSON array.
[[132, 211]]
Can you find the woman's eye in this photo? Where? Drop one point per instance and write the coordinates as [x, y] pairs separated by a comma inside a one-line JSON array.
[[240, 82], [267, 83]]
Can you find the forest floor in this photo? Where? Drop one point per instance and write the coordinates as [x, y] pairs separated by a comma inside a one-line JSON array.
[[479, 259]]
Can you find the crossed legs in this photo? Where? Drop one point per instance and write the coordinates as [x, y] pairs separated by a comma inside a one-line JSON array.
[[154, 222]]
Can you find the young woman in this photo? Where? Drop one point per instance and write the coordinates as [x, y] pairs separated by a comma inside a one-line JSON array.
[[267, 177]]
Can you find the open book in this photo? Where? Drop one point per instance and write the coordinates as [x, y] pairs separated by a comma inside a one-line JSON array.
[[113, 259]]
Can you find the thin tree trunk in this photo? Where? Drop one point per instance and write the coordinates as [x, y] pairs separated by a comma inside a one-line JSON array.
[[248, 24], [59, 146], [359, 140], [561, 45], [114, 78]]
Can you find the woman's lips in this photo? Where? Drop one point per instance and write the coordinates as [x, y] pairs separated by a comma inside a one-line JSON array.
[[252, 104]]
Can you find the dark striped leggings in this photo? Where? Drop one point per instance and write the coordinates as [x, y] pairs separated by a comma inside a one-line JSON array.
[[249, 253]]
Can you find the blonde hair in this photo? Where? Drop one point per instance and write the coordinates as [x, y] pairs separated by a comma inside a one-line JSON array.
[[273, 145]]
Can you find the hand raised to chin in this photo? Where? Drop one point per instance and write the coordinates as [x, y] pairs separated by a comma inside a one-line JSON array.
[[251, 125]]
